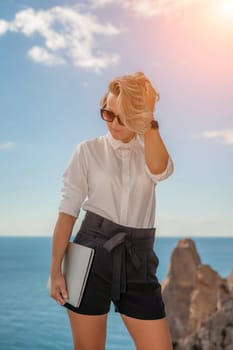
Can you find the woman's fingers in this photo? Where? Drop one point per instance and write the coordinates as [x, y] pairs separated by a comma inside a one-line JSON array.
[[58, 290], [60, 299], [64, 293]]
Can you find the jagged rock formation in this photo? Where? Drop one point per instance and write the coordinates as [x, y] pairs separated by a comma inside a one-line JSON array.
[[203, 299], [230, 283], [215, 334], [179, 285], [199, 303]]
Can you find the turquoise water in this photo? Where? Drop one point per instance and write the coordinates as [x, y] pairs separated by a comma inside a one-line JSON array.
[[29, 319]]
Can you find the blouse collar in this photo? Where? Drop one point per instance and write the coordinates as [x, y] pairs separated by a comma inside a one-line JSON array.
[[119, 144]]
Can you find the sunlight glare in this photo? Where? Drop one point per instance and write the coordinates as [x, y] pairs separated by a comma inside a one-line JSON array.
[[227, 8]]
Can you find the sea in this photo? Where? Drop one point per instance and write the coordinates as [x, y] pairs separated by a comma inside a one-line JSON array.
[[30, 319]]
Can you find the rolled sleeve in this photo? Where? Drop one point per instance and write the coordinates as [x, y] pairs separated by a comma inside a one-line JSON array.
[[164, 175], [74, 189]]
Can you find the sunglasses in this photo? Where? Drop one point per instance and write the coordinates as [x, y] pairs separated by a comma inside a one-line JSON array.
[[109, 116]]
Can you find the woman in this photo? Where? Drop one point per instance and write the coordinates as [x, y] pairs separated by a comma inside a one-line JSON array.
[[113, 179]]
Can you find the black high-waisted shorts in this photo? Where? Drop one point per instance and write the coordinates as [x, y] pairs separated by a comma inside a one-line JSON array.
[[123, 270]]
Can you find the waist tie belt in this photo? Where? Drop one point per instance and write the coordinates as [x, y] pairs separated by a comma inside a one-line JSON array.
[[120, 242], [118, 249]]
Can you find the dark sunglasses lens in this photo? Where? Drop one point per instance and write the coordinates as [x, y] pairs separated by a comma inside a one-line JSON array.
[[107, 115]]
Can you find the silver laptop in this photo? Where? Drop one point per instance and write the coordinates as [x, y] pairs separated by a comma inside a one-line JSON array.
[[76, 266]]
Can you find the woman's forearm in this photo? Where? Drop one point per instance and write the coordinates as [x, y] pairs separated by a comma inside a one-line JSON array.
[[61, 236], [156, 154]]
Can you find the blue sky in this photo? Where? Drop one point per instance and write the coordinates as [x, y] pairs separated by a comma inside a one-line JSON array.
[[56, 60]]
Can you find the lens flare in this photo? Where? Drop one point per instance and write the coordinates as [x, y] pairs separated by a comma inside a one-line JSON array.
[[227, 8]]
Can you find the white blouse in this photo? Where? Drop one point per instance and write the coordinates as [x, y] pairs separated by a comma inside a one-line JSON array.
[[110, 178]]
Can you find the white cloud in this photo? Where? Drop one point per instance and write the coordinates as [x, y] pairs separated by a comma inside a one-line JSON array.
[[102, 3], [6, 145], [223, 136], [3, 27], [147, 8], [41, 55], [70, 36]]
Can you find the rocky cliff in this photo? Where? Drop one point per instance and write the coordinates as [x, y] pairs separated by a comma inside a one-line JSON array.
[[199, 303]]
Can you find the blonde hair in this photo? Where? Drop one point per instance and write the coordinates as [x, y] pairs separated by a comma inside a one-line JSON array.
[[135, 100]]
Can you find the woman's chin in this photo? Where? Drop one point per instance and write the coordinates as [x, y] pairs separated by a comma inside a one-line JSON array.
[[121, 135], [116, 134]]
